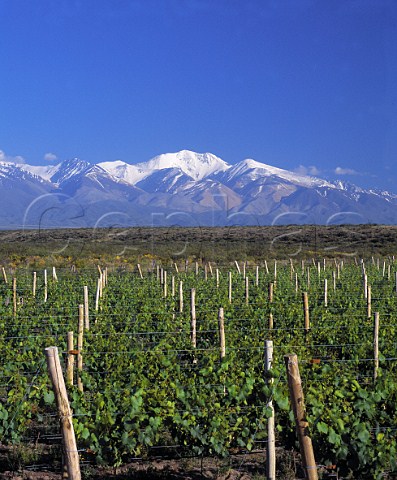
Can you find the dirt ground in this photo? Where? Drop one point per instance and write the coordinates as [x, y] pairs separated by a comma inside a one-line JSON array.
[[237, 467]]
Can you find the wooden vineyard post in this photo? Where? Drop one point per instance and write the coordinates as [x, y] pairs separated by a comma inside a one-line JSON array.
[[4, 275], [139, 270], [176, 268], [193, 317], [54, 274], [217, 277], [196, 268], [369, 301], [14, 295], [45, 286], [376, 344], [365, 279], [325, 292], [298, 406], [296, 282], [244, 269], [246, 290], [205, 272], [210, 269], [271, 439], [165, 294], [275, 270], [106, 276], [271, 289], [98, 294], [221, 325], [80, 347], [230, 287], [34, 284], [172, 286], [334, 279], [70, 452], [70, 359], [180, 296], [86, 309], [270, 321], [266, 268], [306, 311], [237, 266], [257, 276]]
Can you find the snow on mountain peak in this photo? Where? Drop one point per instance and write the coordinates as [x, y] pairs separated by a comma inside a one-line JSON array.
[[195, 165], [255, 170]]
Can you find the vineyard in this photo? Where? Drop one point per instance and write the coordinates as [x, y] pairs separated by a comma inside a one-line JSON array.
[[168, 361]]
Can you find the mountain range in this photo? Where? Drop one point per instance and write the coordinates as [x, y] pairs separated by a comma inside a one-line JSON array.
[[184, 189]]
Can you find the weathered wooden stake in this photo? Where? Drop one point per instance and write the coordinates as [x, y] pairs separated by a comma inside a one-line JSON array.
[[271, 438], [246, 290], [180, 296], [237, 266], [271, 289], [257, 275], [230, 287], [221, 324], [325, 292], [165, 284], [14, 295], [306, 311], [193, 334], [376, 344], [298, 406], [70, 359], [266, 268], [369, 301], [34, 284], [45, 286], [86, 309], [139, 270], [4, 275], [70, 452], [98, 294], [217, 278], [80, 334], [54, 274], [270, 321]]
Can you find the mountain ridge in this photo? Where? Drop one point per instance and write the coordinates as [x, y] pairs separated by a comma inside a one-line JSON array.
[[184, 188]]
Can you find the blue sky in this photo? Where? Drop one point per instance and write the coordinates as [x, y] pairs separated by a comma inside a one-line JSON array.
[[304, 85]]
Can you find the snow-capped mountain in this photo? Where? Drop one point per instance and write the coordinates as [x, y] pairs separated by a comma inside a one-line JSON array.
[[183, 188]]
